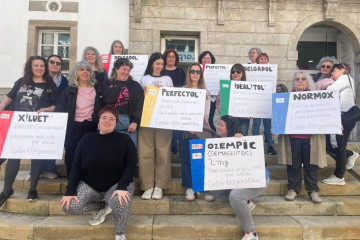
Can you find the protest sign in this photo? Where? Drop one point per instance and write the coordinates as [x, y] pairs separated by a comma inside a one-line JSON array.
[[245, 99], [212, 75], [227, 163], [32, 135], [174, 108], [310, 112], [139, 62], [266, 73]]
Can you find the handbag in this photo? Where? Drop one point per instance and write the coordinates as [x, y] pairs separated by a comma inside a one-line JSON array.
[[353, 114]]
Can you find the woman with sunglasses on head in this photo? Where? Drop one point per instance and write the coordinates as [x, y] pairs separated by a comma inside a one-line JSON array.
[[194, 80], [178, 77], [263, 58], [237, 73], [325, 67], [238, 198], [154, 143], [344, 84], [302, 151], [34, 92]]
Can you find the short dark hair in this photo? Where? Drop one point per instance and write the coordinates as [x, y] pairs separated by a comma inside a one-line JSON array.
[[108, 108], [262, 55], [166, 53], [54, 55], [118, 63], [239, 67], [203, 54], [232, 125]]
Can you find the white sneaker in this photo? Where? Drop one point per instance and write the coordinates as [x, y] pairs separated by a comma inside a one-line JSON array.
[[49, 175], [351, 160], [99, 217], [157, 194], [250, 236], [333, 180], [120, 237], [189, 194], [147, 194]]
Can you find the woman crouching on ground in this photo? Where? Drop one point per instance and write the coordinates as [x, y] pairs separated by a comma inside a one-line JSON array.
[[102, 174]]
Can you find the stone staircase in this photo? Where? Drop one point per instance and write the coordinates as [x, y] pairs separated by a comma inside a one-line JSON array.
[[338, 217]]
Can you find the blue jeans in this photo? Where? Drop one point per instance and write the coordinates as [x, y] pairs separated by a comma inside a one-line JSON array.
[[267, 129], [244, 124], [122, 126], [184, 155]]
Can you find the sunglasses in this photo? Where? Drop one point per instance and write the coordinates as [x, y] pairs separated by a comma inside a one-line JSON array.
[[326, 66], [192, 71], [55, 63], [302, 79], [236, 71]]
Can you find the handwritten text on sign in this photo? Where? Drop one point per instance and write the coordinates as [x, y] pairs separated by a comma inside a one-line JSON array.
[[310, 112], [139, 62], [245, 99], [266, 73], [32, 135], [227, 163], [174, 108], [212, 75]]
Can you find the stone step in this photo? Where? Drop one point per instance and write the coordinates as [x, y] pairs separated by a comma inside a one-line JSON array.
[[180, 227], [276, 186], [176, 204]]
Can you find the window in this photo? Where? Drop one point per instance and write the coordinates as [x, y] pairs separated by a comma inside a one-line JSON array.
[[185, 46], [55, 42]]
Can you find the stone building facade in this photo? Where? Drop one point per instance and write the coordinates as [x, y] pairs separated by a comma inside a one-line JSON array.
[[229, 28]]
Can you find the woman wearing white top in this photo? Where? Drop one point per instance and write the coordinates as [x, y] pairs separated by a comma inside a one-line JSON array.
[[154, 143]]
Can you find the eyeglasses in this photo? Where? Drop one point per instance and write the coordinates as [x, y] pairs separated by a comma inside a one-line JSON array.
[[302, 79], [326, 66], [55, 63], [236, 71], [169, 56], [111, 119], [192, 71]]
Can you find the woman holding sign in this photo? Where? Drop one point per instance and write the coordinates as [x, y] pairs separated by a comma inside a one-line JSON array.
[[238, 198], [194, 79], [336, 144], [305, 151], [102, 174], [78, 100], [154, 143], [34, 92], [126, 95]]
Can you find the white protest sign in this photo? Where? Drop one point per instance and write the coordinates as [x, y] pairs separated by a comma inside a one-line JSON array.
[[32, 135], [266, 73], [227, 163], [139, 62], [174, 108], [246, 99], [309, 112], [213, 73]]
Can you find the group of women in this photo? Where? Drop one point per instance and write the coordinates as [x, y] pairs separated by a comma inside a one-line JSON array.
[[100, 161]]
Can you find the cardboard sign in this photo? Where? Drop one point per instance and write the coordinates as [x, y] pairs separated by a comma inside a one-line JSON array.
[[266, 73], [139, 61], [227, 163], [245, 99], [213, 73], [32, 135], [174, 108], [309, 112]]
